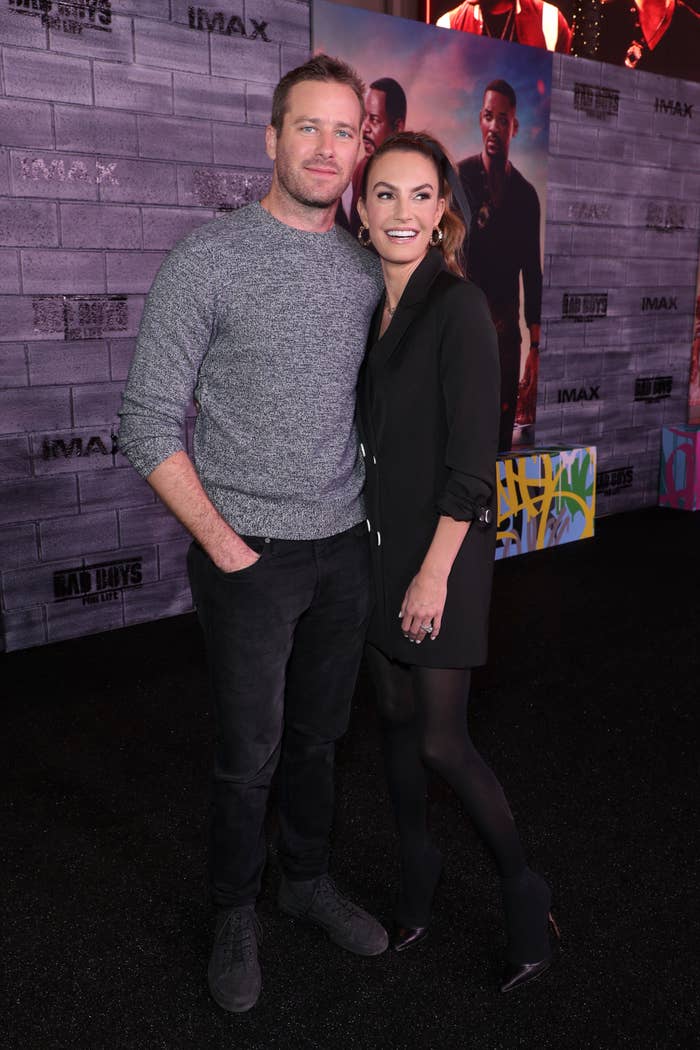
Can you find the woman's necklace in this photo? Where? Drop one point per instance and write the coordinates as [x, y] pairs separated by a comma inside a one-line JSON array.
[[391, 310]]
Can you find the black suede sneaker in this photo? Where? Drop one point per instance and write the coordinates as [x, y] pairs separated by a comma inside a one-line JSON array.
[[234, 972], [319, 901]]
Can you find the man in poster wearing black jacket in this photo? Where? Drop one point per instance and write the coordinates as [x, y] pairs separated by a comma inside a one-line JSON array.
[[503, 243]]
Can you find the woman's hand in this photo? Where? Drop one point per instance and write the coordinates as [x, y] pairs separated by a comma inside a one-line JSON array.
[[422, 606]]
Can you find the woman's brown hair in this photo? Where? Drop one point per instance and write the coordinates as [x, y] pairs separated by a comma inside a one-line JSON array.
[[452, 225]]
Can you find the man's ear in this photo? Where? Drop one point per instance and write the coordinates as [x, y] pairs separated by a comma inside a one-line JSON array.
[[271, 142], [515, 125], [399, 125]]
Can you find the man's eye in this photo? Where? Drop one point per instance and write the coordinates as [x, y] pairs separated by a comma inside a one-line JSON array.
[[344, 134], [308, 127]]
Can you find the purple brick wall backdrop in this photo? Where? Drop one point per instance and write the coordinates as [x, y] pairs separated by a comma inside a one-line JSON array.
[[621, 254], [123, 125]]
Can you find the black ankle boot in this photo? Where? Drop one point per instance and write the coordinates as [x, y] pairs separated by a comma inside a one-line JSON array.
[[419, 879], [526, 902]]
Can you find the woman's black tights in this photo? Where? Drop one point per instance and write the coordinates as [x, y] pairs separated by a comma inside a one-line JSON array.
[[424, 723]]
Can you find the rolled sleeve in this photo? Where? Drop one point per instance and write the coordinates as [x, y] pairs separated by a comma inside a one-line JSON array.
[[470, 375], [175, 332]]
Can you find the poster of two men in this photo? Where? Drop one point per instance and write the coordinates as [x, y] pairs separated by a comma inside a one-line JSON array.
[[488, 102]]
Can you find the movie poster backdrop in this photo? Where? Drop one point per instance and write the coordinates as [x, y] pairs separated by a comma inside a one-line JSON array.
[[694, 387], [654, 36], [443, 76]]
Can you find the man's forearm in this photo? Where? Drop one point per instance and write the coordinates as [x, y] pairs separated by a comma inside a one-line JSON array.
[[176, 483]]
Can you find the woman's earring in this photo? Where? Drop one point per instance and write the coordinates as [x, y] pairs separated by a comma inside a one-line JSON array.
[[436, 237], [364, 240]]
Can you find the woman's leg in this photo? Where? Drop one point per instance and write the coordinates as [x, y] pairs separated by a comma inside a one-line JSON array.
[[442, 695], [406, 777]]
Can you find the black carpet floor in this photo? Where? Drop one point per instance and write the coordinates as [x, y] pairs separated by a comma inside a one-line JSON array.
[[588, 710]]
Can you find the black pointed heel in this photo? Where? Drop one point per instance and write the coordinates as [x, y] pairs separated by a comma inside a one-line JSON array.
[[403, 937], [412, 921], [516, 975]]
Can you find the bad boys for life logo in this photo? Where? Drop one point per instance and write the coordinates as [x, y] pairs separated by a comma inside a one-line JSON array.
[[659, 303], [673, 107], [217, 22], [102, 582], [610, 482], [72, 446], [227, 190], [81, 316], [68, 16], [584, 306], [665, 216], [590, 211], [652, 388], [598, 102]]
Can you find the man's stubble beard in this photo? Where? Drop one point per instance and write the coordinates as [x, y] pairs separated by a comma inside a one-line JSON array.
[[294, 187]]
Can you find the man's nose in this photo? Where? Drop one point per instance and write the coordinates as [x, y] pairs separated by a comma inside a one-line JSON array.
[[326, 143]]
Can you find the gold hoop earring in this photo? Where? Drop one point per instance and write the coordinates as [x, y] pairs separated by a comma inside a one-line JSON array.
[[436, 237], [364, 241]]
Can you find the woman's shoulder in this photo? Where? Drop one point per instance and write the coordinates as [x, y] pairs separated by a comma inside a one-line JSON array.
[[459, 292]]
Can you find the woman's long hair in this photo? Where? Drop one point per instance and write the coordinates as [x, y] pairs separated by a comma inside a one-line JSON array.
[[453, 229]]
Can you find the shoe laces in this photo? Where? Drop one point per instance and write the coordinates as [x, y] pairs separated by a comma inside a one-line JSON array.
[[240, 933], [330, 896]]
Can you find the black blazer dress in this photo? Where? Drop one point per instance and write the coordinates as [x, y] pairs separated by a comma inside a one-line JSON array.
[[428, 415]]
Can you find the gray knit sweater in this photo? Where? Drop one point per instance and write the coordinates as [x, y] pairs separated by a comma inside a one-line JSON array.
[[266, 325]]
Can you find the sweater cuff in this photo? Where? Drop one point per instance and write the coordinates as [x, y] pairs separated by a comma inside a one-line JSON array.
[[146, 459]]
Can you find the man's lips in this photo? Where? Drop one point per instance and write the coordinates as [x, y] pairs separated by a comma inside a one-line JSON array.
[[318, 169]]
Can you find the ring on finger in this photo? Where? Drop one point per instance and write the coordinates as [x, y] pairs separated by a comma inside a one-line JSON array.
[[427, 627]]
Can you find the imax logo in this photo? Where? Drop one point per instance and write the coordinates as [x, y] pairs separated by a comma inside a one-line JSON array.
[[56, 171], [659, 303], [673, 107], [217, 22], [591, 393], [69, 447]]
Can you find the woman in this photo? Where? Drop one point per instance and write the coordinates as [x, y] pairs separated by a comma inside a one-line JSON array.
[[429, 415]]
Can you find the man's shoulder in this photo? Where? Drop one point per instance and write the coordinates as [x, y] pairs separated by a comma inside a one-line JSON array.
[[227, 229], [521, 184], [357, 257], [470, 166]]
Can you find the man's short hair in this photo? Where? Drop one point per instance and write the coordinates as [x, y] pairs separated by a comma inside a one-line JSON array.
[[395, 98], [503, 88], [321, 68]]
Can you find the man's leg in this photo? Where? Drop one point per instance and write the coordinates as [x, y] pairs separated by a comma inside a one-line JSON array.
[[248, 619], [321, 678]]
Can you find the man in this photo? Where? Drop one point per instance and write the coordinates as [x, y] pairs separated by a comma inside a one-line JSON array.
[[385, 114], [658, 36], [532, 22], [503, 243], [263, 314]]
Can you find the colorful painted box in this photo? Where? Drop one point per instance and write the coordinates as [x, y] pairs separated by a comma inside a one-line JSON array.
[[545, 498], [679, 483]]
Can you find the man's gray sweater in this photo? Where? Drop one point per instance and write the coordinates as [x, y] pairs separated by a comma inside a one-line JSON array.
[[266, 324]]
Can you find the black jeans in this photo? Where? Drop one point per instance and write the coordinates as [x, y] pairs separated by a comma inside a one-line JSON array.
[[284, 640]]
